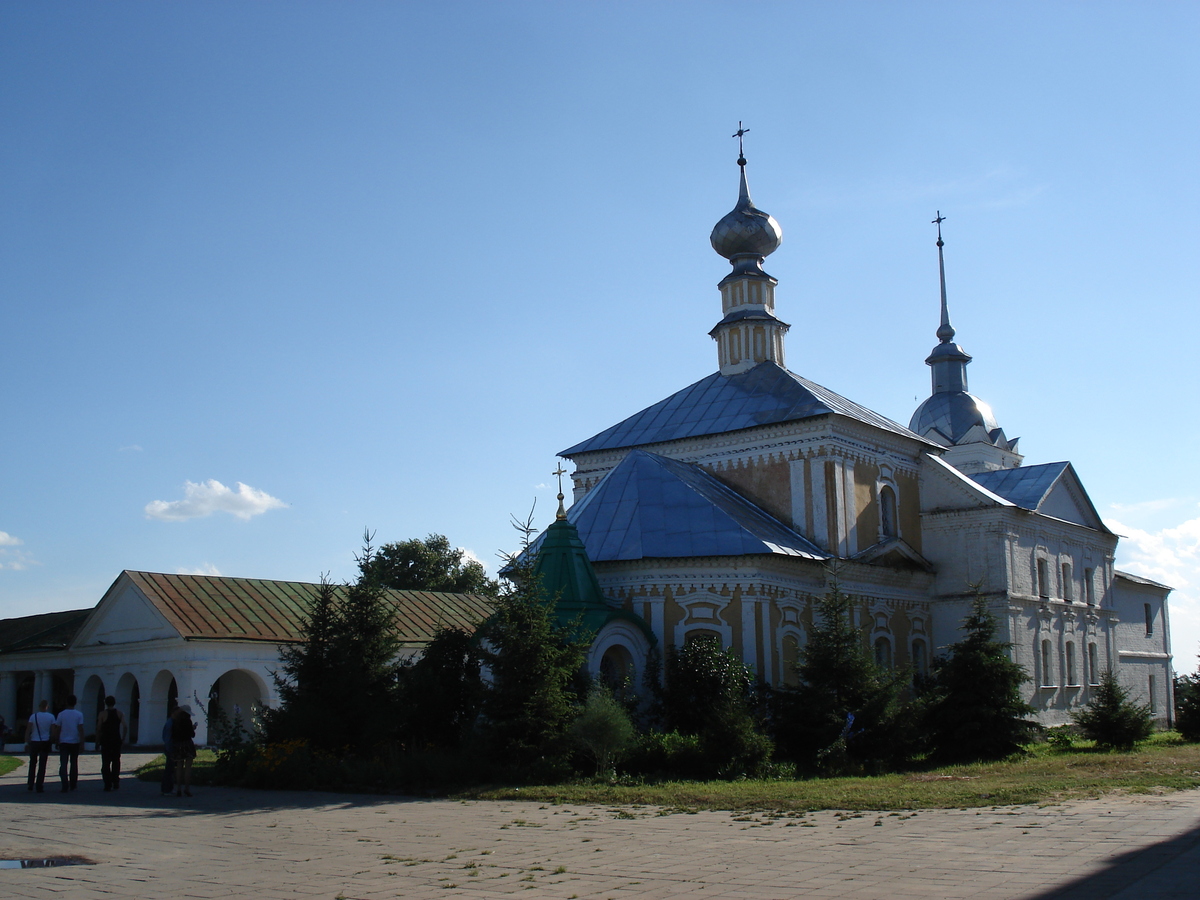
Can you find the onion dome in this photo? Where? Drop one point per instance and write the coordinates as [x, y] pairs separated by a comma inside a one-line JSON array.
[[746, 233]]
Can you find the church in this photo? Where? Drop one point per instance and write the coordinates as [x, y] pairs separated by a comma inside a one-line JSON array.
[[729, 507], [725, 509]]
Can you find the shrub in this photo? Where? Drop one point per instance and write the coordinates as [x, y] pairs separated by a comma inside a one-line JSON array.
[[1111, 719], [603, 730], [1187, 706]]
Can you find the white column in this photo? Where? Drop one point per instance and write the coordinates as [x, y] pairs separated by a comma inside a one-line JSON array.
[[43, 689], [799, 497], [8, 698], [820, 507], [768, 642], [851, 511], [838, 529], [749, 633], [193, 692]]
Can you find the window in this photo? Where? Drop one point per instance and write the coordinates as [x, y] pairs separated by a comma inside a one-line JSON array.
[[883, 653], [1043, 579], [1071, 679], [1093, 664], [1089, 587], [920, 662], [1047, 658], [1149, 619], [1153, 700], [887, 512], [1068, 592]]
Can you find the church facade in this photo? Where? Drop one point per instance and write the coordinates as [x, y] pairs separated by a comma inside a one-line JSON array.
[[729, 507]]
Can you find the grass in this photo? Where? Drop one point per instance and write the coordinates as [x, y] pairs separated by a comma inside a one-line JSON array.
[[1044, 775], [8, 763], [202, 768]]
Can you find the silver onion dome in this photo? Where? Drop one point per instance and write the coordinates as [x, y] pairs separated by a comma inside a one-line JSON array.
[[746, 231], [952, 414]]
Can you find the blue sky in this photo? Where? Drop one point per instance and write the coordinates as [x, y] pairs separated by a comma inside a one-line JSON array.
[[339, 266]]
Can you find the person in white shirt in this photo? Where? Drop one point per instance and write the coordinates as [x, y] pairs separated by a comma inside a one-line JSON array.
[[37, 739], [70, 741]]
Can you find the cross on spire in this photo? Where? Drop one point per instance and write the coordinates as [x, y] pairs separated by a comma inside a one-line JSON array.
[[938, 222], [559, 472], [738, 134]]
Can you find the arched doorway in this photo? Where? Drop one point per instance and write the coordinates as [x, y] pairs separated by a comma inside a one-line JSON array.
[[234, 703], [91, 703], [129, 698]]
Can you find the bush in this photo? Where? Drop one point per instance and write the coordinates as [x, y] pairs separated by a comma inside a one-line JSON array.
[[1111, 719], [603, 730], [1187, 706], [667, 755]]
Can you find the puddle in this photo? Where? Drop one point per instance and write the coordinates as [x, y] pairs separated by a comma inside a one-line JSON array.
[[44, 862]]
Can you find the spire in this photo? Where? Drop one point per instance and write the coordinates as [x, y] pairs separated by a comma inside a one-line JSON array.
[[945, 331], [562, 512], [749, 333]]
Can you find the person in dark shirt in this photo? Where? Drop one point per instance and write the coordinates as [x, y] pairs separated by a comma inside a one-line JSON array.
[[110, 735]]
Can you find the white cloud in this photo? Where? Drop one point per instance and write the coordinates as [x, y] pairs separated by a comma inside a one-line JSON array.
[[206, 569], [10, 557], [211, 496], [129, 448], [1170, 555]]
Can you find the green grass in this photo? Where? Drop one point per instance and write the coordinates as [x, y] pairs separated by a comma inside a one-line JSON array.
[[202, 768], [8, 763], [1044, 775]]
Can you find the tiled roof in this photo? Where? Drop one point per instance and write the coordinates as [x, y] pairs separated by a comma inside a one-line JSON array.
[[209, 607], [1026, 486], [764, 395], [650, 506], [47, 631]]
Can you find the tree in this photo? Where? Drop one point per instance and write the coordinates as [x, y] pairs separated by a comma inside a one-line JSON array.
[[710, 693], [441, 693], [534, 667], [337, 685], [428, 565], [1187, 706], [1111, 719], [603, 729], [845, 713], [974, 709]]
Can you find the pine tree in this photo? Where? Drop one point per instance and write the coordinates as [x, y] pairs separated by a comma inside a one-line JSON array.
[[845, 714], [1111, 719], [1187, 706], [974, 708], [440, 694]]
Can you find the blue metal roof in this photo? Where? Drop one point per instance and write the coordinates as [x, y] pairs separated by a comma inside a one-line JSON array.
[[650, 506], [764, 395], [1026, 486]]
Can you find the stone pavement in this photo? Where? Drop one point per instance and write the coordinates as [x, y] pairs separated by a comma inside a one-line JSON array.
[[234, 843]]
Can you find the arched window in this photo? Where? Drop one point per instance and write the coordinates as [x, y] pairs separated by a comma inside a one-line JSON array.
[[1068, 591], [790, 659], [887, 512], [1093, 664], [1089, 587], [1071, 664], [1047, 659], [883, 652], [1149, 619], [1043, 579], [920, 661]]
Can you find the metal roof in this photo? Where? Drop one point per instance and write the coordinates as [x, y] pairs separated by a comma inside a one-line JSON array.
[[46, 631], [764, 395], [1026, 486], [210, 607], [650, 506], [953, 414]]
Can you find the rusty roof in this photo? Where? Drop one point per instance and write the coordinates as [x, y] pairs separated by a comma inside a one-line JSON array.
[[215, 607], [43, 632]]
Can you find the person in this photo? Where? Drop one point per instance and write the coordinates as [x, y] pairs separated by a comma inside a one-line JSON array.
[[183, 746], [68, 729], [168, 776], [110, 735], [37, 738]]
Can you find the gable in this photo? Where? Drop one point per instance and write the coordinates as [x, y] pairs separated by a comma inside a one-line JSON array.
[[124, 616], [945, 487], [1067, 501], [1049, 489]]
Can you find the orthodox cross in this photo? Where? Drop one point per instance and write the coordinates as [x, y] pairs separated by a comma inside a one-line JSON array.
[[738, 134], [938, 222], [560, 472]]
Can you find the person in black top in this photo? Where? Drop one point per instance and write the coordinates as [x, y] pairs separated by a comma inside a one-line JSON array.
[[110, 735]]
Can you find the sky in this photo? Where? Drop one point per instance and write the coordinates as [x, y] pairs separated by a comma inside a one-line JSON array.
[[275, 273]]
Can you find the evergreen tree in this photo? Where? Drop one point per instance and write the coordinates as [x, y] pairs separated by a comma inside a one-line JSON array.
[[534, 667], [1111, 719], [441, 693], [1187, 706], [974, 708], [337, 686], [845, 715]]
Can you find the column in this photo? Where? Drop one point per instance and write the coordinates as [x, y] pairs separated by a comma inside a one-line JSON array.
[[749, 633], [837, 536], [850, 511], [799, 497], [820, 506], [43, 689], [768, 642], [8, 698]]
